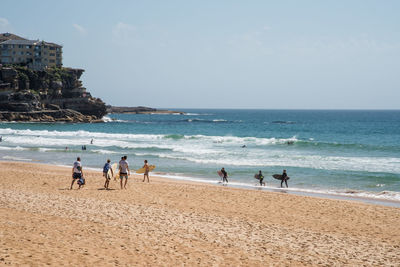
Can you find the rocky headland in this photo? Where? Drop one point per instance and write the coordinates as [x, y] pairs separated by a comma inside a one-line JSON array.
[[140, 110], [50, 95]]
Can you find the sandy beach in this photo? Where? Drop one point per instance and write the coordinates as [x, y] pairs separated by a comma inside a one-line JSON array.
[[170, 223]]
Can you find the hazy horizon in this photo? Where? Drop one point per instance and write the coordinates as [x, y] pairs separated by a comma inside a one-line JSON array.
[[308, 55]]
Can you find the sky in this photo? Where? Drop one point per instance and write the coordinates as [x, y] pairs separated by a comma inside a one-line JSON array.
[[224, 54]]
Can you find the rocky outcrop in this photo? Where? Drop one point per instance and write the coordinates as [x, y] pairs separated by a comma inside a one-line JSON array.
[[61, 115], [140, 110], [54, 94]]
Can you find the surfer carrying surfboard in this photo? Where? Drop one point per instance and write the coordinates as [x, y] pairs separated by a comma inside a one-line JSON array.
[[261, 177], [284, 178], [225, 175], [107, 170], [146, 171]]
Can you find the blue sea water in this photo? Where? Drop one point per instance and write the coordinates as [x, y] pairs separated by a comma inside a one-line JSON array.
[[342, 152]]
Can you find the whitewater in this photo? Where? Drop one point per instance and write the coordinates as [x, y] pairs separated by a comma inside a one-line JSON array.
[[336, 152]]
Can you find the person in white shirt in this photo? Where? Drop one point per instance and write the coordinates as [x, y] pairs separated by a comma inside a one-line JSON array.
[[77, 172], [124, 171]]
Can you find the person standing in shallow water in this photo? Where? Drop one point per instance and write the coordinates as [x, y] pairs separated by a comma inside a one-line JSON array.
[[146, 171], [261, 177], [284, 178], [225, 177]]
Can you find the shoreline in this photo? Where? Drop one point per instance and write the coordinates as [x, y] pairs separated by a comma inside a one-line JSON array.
[[291, 191], [170, 222]]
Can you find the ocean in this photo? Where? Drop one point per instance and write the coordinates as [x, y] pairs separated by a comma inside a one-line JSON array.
[[342, 152]]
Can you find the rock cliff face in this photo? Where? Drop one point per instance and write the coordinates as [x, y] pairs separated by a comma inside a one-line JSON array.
[[54, 94]]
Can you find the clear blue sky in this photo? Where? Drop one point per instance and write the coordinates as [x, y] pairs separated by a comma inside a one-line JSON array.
[[224, 54]]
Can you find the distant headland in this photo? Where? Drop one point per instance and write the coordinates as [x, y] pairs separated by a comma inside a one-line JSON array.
[[35, 87], [140, 110]]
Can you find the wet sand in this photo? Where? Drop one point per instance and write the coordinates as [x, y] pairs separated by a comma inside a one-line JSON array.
[[169, 223]]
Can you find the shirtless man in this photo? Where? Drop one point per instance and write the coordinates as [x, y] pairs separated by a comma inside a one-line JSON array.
[[146, 171]]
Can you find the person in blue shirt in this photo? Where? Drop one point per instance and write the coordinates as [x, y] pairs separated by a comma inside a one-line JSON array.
[[106, 174]]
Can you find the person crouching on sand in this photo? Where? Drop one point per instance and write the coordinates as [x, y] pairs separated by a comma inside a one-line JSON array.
[[106, 175], [77, 172], [124, 171], [284, 178], [146, 171]]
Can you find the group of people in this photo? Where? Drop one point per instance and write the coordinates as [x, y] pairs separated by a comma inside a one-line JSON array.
[[283, 178], [124, 172], [108, 173]]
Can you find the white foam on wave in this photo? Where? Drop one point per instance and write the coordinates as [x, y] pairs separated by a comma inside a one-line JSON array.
[[16, 158], [383, 195], [201, 149], [109, 119], [103, 151], [367, 164], [12, 148], [145, 137]]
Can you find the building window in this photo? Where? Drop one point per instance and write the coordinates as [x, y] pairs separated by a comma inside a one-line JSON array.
[[52, 48], [52, 54], [52, 61]]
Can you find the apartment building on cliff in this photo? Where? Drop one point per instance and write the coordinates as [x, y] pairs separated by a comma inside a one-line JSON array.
[[35, 54]]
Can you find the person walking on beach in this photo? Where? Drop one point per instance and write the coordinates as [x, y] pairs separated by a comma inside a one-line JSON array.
[[106, 174], [225, 177], [124, 171], [146, 171], [261, 177], [77, 172], [284, 179]]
